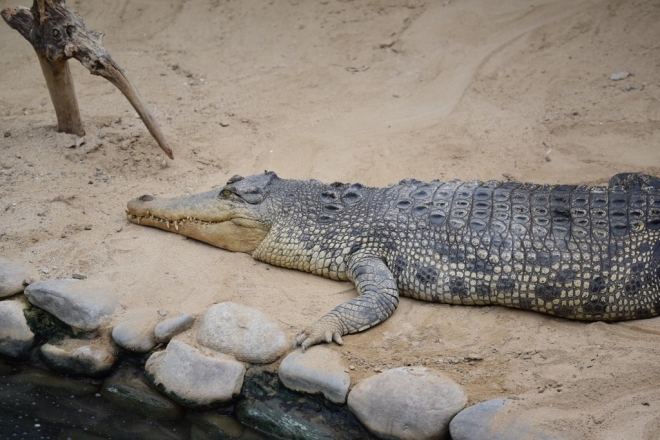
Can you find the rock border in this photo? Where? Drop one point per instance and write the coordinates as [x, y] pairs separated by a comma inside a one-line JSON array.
[[303, 396]]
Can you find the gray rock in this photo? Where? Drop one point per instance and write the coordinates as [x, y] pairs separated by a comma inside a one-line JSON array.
[[16, 338], [169, 328], [14, 278], [73, 302], [194, 379], [407, 403], [318, 370], [85, 357], [129, 389], [136, 333], [618, 76], [487, 421], [245, 333]]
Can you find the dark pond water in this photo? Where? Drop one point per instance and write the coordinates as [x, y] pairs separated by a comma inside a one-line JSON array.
[[37, 404]]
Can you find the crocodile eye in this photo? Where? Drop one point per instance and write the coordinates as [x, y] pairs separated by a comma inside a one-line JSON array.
[[56, 33], [225, 193]]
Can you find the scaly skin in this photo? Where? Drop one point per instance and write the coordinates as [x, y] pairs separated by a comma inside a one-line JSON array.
[[578, 252]]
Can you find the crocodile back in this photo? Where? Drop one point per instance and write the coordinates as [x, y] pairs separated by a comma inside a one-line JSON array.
[[580, 252]]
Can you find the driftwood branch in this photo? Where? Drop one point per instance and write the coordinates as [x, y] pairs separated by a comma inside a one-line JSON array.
[[57, 34]]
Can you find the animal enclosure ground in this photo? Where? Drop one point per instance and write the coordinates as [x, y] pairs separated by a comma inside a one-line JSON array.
[[365, 90]]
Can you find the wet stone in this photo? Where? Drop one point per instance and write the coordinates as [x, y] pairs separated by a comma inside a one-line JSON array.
[[488, 421], [407, 403], [243, 332], [129, 389], [16, 338], [193, 378], [318, 370], [85, 357], [169, 328], [73, 302], [14, 278], [268, 406], [136, 333]]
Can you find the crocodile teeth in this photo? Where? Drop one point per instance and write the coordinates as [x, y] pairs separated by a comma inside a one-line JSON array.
[[138, 219], [168, 224], [176, 225]]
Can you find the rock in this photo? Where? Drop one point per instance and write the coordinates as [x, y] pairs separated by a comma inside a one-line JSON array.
[[169, 328], [14, 278], [487, 421], [318, 370], [618, 76], [194, 379], [85, 357], [268, 406], [136, 333], [407, 403], [272, 416], [73, 302], [16, 338], [129, 389], [243, 332]]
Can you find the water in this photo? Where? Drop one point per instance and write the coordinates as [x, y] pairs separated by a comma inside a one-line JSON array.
[[37, 404]]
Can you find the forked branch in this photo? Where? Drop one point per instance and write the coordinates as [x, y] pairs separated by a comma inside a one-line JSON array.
[[57, 34]]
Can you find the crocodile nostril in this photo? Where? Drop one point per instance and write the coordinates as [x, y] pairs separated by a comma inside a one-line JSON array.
[[146, 198]]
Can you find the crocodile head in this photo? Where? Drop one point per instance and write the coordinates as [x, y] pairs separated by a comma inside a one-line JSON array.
[[235, 217]]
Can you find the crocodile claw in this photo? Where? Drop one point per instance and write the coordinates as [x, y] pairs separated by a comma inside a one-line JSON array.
[[314, 335]]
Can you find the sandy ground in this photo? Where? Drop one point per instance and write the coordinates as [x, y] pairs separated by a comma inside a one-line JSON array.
[[340, 90]]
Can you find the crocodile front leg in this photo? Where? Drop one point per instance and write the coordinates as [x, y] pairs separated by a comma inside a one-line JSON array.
[[378, 299]]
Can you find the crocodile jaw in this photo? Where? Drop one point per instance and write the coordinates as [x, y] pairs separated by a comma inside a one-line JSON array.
[[203, 217]]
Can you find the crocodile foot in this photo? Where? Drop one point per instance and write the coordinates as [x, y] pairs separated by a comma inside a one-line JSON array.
[[326, 329]]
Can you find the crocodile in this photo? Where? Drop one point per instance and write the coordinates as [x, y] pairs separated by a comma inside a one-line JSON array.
[[588, 253]]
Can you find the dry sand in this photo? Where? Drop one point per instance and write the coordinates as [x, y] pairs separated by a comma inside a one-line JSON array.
[[368, 91]]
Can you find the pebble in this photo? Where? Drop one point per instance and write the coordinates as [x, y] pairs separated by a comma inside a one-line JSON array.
[[407, 403], [16, 338], [194, 379], [73, 302], [14, 278], [169, 328], [487, 421], [243, 332], [618, 76], [85, 357], [318, 370], [79, 276], [136, 333]]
